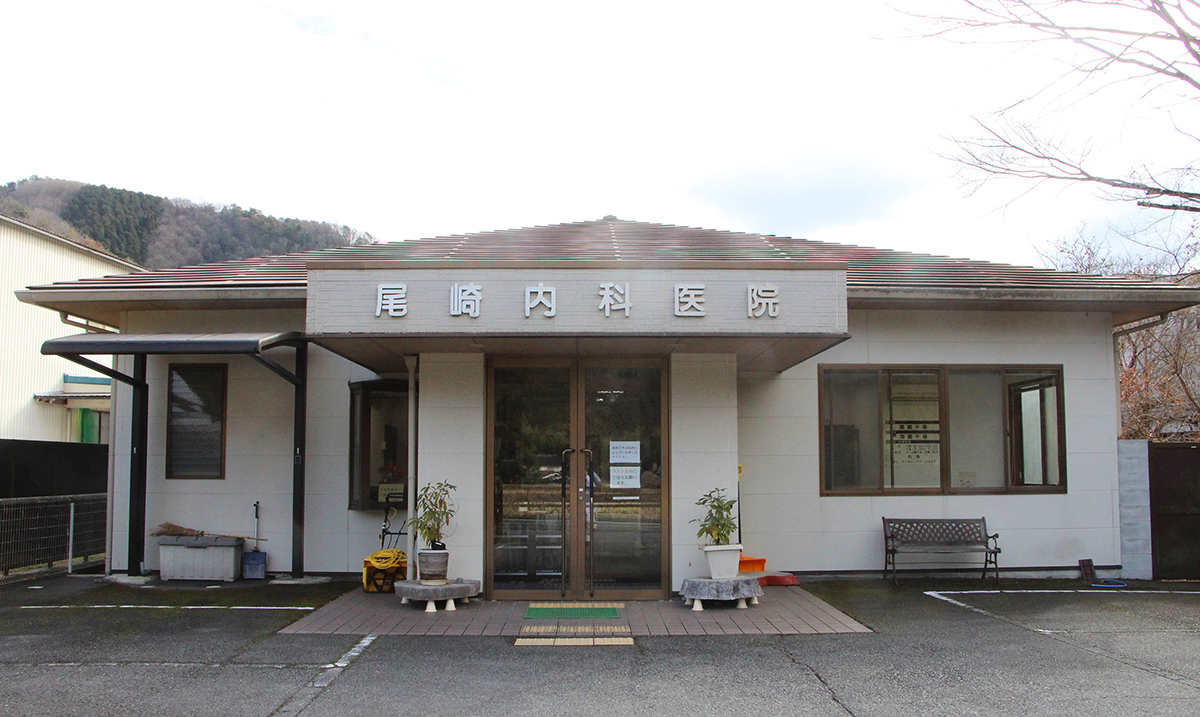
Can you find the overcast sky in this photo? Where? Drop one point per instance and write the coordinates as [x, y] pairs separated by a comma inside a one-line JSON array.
[[817, 120]]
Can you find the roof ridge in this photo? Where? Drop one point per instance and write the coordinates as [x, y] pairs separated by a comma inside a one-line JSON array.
[[612, 235]]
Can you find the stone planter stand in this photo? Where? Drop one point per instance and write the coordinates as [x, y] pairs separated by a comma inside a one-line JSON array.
[[458, 590], [696, 590]]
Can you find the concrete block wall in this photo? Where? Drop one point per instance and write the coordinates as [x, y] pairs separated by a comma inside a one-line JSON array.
[[1137, 558]]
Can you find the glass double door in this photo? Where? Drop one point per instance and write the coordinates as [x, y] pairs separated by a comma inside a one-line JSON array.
[[577, 479]]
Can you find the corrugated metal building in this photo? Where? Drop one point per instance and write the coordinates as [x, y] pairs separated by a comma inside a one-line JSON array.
[[29, 255]]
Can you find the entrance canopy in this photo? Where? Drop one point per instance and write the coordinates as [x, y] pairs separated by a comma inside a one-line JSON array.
[[385, 354]]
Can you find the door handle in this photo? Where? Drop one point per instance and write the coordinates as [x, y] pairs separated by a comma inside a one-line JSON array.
[[590, 521], [562, 473], [562, 560], [587, 469]]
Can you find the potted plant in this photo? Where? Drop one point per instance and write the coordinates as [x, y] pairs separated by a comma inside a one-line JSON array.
[[433, 513], [719, 525]]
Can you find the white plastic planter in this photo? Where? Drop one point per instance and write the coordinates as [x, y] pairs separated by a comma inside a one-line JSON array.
[[723, 560]]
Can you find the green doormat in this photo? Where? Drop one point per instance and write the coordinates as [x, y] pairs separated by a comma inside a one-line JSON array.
[[572, 613]]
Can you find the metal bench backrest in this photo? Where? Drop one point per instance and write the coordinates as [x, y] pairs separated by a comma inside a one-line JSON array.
[[936, 531]]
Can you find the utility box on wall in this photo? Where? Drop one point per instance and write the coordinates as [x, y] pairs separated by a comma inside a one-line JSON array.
[[203, 558]]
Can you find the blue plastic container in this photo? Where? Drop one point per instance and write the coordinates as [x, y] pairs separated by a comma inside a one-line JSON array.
[[254, 565]]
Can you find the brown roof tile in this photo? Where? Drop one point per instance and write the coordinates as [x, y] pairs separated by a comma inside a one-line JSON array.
[[614, 239]]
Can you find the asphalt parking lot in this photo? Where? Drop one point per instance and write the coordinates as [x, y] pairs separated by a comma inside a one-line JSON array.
[[193, 650]]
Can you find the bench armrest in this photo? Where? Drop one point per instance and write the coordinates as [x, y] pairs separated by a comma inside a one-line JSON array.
[[993, 541]]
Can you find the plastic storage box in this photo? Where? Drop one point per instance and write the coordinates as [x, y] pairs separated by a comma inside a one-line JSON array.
[[203, 558]]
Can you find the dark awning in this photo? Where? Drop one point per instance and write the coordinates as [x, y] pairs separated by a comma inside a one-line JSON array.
[[231, 343]]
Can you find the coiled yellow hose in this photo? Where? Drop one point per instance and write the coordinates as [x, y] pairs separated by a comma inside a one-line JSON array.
[[388, 559], [380, 569]]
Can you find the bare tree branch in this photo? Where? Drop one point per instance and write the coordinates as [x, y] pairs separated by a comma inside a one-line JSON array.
[[1154, 42]]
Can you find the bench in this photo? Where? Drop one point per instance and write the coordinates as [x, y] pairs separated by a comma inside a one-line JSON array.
[[939, 535]]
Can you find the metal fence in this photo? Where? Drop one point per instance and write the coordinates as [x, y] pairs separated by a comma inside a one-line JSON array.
[[66, 532]]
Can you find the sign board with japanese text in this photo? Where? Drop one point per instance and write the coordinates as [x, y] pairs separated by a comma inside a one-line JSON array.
[[625, 477], [586, 298], [625, 452]]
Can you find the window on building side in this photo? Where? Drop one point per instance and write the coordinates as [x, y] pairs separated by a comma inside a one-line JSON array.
[[1034, 412], [941, 429], [196, 421], [378, 443]]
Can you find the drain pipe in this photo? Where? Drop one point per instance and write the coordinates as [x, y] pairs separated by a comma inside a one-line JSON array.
[[412, 364], [1142, 327], [92, 327]]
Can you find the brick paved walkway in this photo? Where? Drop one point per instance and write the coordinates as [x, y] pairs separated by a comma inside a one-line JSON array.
[[781, 611]]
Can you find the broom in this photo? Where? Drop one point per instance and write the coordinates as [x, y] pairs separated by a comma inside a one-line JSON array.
[[179, 530]]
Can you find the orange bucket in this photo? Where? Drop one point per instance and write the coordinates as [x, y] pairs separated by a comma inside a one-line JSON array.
[[752, 565]]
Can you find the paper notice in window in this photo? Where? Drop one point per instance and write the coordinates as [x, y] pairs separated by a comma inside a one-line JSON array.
[[625, 452], [625, 476]]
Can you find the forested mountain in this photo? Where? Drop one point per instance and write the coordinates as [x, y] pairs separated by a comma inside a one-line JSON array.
[[158, 232]]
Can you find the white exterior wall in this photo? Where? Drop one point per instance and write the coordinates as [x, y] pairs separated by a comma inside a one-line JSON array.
[[450, 446], [28, 258], [786, 521], [704, 449], [258, 446], [767, 422]]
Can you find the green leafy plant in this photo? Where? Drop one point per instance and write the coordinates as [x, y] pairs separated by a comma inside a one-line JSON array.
[[433, 512], [718, 524]]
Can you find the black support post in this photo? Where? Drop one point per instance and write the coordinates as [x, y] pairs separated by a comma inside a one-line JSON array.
[[138, 440], [299, 433]]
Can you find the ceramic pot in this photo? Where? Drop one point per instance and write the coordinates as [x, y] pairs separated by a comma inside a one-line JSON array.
[[723, 560], [432, 565]]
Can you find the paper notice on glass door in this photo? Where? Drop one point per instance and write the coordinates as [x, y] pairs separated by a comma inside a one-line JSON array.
[[625, 476], [625, 452]]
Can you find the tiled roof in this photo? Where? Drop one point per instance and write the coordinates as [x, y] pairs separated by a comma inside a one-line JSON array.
[[612, 239]]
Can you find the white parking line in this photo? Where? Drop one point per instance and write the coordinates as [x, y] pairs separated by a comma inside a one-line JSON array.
[[941, 595], [309, 692], [1103, 591], [1064, 636]]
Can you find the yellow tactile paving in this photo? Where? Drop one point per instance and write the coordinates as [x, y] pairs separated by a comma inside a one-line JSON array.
[[572, 641], [568, 629]]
